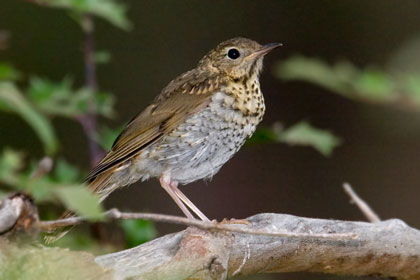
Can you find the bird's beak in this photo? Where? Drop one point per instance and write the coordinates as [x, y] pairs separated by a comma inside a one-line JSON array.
[[265, 49]]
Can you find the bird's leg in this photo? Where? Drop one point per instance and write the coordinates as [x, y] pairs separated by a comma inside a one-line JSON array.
[[187, 202], [165, 182]]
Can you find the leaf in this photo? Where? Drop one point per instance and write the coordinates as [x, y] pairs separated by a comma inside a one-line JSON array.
[[10, 163], [107, 136], [59, 99], [301, 134], [138, 231], [375, 85], [65, 172], [105, 104], [40, 189], [318, 72], [368, 85], [17, 103], [8, 72], [43, 91], [102, 57], [263, 135], [80, 200], [110, 10], [306, 135], [412, 87]]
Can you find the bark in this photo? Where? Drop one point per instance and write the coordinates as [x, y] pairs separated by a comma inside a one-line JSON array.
[[388, 249]]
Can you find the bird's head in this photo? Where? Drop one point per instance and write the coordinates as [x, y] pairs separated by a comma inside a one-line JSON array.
[[237, 58]]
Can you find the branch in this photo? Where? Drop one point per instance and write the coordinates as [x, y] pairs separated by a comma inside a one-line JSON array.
[[266, 243], [389, 248], [370, 215], [115, 214], [17, 213], [89, 121]]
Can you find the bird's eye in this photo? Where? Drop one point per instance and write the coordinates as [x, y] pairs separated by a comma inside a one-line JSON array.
[[233, 53]]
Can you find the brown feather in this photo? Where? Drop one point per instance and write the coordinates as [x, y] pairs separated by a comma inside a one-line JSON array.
[[169, 109]]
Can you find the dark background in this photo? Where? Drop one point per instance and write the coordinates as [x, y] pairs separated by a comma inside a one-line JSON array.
[[380, 152]]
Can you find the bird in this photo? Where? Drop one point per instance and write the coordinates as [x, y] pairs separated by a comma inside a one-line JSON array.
[[192, 128]]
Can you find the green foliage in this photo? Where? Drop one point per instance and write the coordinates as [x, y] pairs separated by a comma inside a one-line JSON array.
[[8, 72], [138, 231], [10, 163], [343, 78], [59, 99], [107, 136], [80, 200], [102, 57], [37, 101], [57, 185], [65, 172], [27, 262], [12, 100], [80, 240], [110, 10], [302, 134]]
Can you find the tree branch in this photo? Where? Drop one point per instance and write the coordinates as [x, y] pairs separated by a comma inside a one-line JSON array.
[[89, 121], [267, 243], [115, 214], [389, 248]]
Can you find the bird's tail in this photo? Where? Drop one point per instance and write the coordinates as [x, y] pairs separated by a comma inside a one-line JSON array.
[[100, 185]]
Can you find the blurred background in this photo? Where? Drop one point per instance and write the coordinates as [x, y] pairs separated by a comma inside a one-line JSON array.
[[342, 98]]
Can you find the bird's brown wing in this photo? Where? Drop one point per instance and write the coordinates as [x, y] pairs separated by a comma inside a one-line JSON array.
[[186, 95]]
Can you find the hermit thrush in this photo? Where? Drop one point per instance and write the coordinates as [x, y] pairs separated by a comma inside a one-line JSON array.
[[196, 124]]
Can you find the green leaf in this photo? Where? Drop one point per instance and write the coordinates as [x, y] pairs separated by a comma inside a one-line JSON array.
[[318, 72], [107, 136], [105, 104], [41, 189], [8, 72], [111, 10], [367, 85], [306, 135], [43, 91], [10, 163], [263, 135], [80, 200], [59, 99], [138, 231], [411, 85], [65, 172], [301, 134], [17, 103], [375, 85], [102, 57]]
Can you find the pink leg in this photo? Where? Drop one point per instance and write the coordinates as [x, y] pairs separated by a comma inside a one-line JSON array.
[[165, 182], [187, 202]]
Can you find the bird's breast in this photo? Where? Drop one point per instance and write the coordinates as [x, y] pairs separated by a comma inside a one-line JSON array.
[[248, 99], [206, 140]]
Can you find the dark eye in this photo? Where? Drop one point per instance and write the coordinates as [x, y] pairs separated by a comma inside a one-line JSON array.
[[233, 53]]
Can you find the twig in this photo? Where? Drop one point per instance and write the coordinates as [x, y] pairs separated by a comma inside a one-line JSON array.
[[44, 166], [88, 121], [370, 215], [115, 214]]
